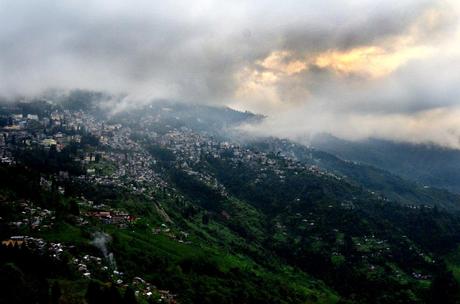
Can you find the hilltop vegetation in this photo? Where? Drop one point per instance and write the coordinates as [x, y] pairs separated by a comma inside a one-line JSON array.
[[426, 164]]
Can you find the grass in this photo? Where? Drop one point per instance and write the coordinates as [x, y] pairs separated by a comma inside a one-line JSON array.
[[64, 232], [453, 263], [73, 291]]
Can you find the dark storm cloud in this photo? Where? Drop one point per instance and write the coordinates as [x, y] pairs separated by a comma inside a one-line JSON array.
[[145, 50], [131, 45], [353, 27]]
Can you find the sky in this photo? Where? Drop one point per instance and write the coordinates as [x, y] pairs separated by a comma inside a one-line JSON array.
[[355, 69]]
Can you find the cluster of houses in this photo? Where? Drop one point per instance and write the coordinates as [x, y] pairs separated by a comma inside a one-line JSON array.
[[88, 265], [190, 147], [115, 217], [29, 216], [47, 131], [420, 276], [60, 128], [132, 164], [54, 250], [180, 236], [149, 290]]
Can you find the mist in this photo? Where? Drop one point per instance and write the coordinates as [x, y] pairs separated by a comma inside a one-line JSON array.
[[356, 70], [100, 241]]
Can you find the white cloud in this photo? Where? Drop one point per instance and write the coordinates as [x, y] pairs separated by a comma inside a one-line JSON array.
[[360, 67]]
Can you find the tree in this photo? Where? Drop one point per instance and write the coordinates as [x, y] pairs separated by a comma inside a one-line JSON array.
[[113, 295], [19, 287], [73, 208], [348, 248], [94, 294], [56, 293], [129, 297], [205, 219], [444, 288], [13, 284]]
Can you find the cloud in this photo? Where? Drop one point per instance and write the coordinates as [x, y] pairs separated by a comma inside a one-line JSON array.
[[416, 103], [342, 65], [436, 126], [161, 51]]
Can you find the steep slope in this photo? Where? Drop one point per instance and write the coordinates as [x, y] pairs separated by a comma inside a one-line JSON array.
[[377, 180], [426, 164], [133, 203]]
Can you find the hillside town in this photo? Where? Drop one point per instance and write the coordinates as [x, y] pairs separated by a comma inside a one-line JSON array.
[[81, 153], [113, 154]]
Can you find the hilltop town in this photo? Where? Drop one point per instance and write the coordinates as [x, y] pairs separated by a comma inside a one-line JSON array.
[[156, 204]]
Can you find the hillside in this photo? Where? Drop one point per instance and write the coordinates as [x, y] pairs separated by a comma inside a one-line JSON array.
[[387, 184], [151, 206], [429, 165]]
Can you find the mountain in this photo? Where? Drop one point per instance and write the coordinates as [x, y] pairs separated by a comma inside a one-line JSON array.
[[166, 116], [428, 165], [159, 203], [385, 183]]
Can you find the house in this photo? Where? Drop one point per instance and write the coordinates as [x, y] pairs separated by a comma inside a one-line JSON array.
[[90, 171], [48, 142], [32, 117], [14, 241], [100, 214]]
